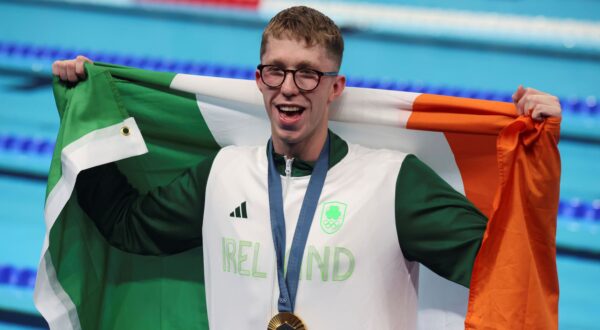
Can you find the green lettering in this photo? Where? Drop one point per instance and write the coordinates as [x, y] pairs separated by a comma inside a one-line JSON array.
[[339, 251], [242, 256], [322, 263], [229, 255], [255, 272]]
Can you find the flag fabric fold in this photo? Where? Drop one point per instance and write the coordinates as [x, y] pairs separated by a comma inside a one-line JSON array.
[[155, 125]]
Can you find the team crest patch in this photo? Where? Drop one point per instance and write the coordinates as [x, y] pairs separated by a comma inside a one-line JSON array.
[[332, 216]]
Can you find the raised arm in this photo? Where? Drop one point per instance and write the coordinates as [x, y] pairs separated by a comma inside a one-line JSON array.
[[166, 220], [436, 225]]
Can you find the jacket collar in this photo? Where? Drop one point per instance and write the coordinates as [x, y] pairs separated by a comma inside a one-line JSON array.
[[338, 148]]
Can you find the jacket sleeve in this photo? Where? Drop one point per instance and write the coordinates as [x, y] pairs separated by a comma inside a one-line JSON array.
[[166, 220], [436, 225]]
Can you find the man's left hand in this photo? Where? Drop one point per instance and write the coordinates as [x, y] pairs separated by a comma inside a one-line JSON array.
[[539, 105]]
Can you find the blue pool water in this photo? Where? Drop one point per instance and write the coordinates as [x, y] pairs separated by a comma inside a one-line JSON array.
[[27, 109]]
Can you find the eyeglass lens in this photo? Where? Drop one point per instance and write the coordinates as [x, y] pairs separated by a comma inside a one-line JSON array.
[[305, 79]]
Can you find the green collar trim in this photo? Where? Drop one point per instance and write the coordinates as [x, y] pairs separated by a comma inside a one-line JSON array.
[[337, 151]]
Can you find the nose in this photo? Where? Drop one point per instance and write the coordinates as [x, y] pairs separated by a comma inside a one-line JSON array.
[[289, 88]]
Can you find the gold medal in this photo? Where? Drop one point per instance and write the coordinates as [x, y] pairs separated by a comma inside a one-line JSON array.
[[285, 321]]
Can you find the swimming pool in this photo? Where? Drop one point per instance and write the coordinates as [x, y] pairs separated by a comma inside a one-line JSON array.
[[219, 40]]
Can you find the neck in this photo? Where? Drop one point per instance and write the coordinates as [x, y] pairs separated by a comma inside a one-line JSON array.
[[307, 150]]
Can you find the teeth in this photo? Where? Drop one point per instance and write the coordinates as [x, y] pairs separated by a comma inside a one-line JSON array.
[[289, 109]]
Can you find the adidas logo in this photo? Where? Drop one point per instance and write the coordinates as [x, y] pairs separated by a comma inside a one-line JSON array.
[[240, 212]]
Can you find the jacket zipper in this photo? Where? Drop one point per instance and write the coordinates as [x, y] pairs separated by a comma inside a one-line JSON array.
[[288, 174]]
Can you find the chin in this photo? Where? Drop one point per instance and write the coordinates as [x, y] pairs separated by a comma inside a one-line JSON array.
[[288, 136]]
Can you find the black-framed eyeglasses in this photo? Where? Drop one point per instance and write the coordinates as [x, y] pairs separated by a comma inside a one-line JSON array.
[[305, 79]]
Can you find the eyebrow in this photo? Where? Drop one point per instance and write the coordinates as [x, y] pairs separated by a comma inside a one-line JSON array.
[[301, 65]]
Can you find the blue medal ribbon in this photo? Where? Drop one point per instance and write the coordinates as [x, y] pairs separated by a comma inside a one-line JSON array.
[[288, 282]]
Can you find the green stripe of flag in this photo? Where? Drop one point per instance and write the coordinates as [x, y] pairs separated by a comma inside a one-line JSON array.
[[112, 289]]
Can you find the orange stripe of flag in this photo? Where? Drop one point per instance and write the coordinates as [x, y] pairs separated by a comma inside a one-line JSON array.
[[511, 170]]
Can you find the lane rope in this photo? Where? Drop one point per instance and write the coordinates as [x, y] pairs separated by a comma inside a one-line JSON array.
[[571, 105]]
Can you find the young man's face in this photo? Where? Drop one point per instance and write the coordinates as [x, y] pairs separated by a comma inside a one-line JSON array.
[[298, 117]]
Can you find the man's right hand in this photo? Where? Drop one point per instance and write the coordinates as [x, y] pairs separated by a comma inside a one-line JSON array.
[[70, 70]]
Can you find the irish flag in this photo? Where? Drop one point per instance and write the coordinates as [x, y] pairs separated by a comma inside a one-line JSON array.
[[156, 125]]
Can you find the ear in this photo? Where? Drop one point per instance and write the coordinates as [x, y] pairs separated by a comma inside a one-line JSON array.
[[258, 81], [337, 88], [257, 78]]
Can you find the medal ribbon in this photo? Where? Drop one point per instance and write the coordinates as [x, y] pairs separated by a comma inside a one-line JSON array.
[[288, 283]]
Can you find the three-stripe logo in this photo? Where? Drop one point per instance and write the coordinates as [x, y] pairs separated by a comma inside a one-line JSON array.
[[240, 212]]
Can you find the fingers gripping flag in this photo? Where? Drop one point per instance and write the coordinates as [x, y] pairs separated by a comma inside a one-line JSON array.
[[155, 125]]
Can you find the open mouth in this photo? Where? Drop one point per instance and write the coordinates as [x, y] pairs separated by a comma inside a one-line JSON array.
[[290, 113]]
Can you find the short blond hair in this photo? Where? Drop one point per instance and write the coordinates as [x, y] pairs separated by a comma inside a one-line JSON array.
[[308, 24]]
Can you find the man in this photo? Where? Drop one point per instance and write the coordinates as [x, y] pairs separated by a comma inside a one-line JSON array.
[[367, 264]]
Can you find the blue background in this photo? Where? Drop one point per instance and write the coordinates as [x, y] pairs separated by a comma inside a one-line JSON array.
[[225, 41]]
